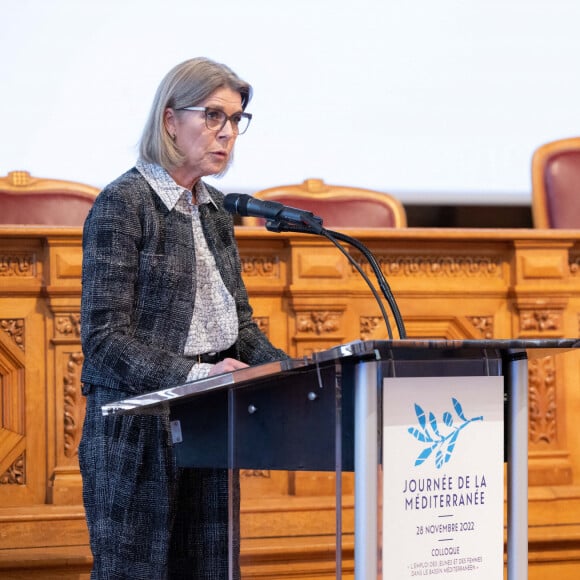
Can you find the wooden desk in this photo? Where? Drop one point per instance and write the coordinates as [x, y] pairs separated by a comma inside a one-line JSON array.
[[306, 296]]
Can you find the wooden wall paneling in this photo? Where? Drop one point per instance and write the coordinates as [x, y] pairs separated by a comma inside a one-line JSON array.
[[306, 297], [23, 422], [541, 295], [265, 272], [65, 359], [22, 375]]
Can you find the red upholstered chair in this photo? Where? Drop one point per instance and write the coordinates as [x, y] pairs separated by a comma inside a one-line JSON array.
[[338, 206], [27, 200], [556, 184]]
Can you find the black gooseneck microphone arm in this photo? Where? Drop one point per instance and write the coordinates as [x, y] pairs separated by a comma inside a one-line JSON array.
[[279, 226], [383, 284], [283, 226]]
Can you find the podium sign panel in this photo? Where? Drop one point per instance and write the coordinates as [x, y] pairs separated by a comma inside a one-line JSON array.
[[443, 498]]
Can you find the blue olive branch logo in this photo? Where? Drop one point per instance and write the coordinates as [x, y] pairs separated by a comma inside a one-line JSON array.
[[430, 433]]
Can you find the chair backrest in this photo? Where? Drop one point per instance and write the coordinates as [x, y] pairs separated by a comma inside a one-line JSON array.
[[27, 200], [556, 184], [338, 206]]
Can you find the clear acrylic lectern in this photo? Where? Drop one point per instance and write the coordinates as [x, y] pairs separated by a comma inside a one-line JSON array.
[[325, 413]]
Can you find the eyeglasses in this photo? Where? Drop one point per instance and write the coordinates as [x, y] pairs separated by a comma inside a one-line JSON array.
[[215, 120]]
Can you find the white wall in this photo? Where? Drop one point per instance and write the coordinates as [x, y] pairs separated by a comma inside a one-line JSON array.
[[433, 100]]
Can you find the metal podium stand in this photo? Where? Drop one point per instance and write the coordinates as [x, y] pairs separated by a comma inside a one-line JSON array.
[[264, 417]]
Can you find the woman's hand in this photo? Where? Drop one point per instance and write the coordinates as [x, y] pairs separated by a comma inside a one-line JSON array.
[[227, 366]]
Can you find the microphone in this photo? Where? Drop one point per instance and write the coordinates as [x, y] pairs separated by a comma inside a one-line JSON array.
[[246, 205], [280, 218]]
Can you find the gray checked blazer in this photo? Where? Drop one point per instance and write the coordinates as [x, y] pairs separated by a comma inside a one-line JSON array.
[[139, 283]]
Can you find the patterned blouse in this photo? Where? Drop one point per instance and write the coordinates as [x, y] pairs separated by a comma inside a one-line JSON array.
[[142, 308]]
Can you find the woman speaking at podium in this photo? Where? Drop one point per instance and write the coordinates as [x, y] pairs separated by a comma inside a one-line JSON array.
[[163, 303]]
